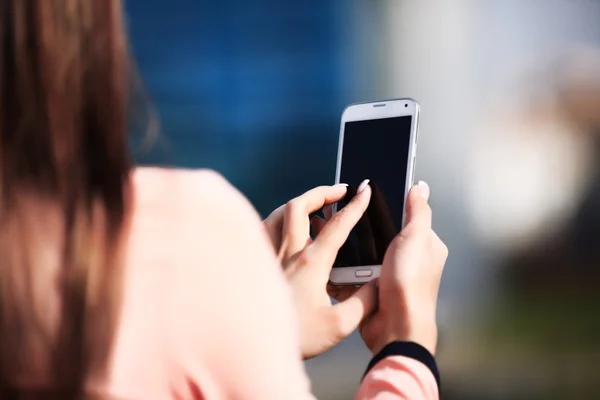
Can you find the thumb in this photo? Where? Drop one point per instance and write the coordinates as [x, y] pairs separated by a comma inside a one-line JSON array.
[[418, 212], [352, 311]]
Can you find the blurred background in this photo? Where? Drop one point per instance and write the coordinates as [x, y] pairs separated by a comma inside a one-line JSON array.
[[509, 142]]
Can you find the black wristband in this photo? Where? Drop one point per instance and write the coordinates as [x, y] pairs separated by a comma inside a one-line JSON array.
[[407, 349]]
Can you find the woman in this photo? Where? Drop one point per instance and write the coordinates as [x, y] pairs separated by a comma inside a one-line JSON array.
[[129, 283]]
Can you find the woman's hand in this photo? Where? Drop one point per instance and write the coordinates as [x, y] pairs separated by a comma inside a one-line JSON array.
[[307, 265], [409, 281]]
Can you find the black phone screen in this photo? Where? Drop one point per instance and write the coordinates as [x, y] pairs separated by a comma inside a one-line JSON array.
[[377, 150]]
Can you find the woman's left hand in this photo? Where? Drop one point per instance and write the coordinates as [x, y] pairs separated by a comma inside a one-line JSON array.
[[307, 265]]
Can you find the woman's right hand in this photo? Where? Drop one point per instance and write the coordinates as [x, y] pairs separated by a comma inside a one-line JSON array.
[[409, 282]]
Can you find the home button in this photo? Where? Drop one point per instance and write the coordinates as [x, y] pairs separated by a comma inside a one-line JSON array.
[[364, 273]]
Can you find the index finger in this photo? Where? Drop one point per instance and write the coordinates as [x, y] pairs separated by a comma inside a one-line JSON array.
[[296, 223], [316, 198], [312, 200]]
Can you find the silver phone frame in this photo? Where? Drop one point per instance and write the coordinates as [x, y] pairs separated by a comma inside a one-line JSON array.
[[379, 109]]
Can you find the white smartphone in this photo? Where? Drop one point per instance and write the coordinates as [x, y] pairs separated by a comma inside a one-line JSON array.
[[378, 141]]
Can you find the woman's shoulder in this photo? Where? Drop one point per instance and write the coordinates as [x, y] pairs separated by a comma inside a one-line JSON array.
[[184, 226], [189, 210], [186, 195], [221, 285], [181, 186], [208, 235], [188, 220]]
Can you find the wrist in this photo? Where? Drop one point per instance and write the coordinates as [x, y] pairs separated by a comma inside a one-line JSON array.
[[419, 328], [424, 334]]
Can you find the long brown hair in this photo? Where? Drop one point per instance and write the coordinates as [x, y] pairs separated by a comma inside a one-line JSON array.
[[64, 78]]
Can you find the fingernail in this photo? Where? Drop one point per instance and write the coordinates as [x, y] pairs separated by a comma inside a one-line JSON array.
[[423, 190], [362, 186], [341, 185]]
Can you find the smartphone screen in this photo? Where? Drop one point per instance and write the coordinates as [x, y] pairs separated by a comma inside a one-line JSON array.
[[377, 150]]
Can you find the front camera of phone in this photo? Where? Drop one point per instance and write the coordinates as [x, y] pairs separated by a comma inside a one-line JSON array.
[[406, 105]]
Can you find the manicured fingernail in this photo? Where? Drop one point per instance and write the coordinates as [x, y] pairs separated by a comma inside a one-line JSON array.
[[341, 185], [423, 190], [362, 186]]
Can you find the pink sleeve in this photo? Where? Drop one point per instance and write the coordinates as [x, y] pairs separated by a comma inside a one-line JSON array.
[[396, 378]]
